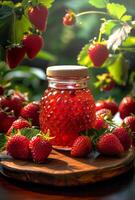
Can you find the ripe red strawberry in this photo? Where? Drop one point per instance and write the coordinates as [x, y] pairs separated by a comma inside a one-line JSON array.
[[14, 101], [100, 123], [124, 137], [6, 120], [69, 19], [32, 44], [19, 124], [1, 90], [14, 56], [127, 106], [38, 16], [105, 82], [108, 104], [31, 111], [18, 147], [109, 144], [98, 54], [82, 146], [104, 113], [108, 85], [40, 149], [129, 122]]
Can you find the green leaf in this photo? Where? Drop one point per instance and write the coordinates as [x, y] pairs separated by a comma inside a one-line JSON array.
[[98, 3], [19, 28], [26, 72], [129, 42], [107, 26], [46, 56], [119, 69], [3, 140], [116, 10], [7, 3], [47, 3], [83, 58], [6, 17], [30, 132], [126, 18]]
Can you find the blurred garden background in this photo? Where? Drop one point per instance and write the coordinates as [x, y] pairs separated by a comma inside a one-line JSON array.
[[62, 45]]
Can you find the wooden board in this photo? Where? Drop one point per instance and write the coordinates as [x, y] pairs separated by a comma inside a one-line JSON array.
[[62, 170]]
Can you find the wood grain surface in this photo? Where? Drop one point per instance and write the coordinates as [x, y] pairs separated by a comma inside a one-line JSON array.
[[62, 170]]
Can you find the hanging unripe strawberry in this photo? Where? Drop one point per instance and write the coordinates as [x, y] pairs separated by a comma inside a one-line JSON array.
[[69, 19]]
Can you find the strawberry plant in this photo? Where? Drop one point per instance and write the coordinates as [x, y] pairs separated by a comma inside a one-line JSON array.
[[22, 24], [108, 49], [19, 18]]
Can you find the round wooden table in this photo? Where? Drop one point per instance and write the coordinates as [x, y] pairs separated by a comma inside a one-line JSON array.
[[120, 188]]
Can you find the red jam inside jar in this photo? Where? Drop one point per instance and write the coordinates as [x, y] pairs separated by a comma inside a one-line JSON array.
[[67, 107]]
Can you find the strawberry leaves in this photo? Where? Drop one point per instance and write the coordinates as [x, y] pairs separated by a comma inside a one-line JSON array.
[[119, 69], [98, 3], [3, 141], [83, 58], [47, 3], [116, 10], [30, 132]]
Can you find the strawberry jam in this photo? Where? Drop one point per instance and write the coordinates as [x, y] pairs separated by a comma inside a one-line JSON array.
[[67, 107]]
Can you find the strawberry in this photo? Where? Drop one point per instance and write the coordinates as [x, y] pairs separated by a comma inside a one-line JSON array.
[[38, 16], [127, 106], [40, 149], [108, 104], [32, 44], [18, 124], [124, 137], [100, 123], [109, 85], [1, 90], [129, 122], [18, 147], [69, 19], [14, 56], [105, 82], [14, 102], [98, 54], [6, 120], [82, 146], [109, 144], [31, 111], [104, 113]]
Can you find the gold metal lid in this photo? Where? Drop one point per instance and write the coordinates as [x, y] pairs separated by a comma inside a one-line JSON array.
[[66, 71]]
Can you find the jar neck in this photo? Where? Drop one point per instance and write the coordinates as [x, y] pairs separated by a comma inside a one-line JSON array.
[[70, 83]]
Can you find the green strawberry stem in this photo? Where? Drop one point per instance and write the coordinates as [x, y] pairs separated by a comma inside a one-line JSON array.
[[99, 37], [91, 12]]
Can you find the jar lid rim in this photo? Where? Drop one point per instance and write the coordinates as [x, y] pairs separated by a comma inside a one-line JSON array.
[[67, 71]]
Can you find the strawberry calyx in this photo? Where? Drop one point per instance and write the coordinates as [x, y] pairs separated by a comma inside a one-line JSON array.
[[14, 45], [45, 136]]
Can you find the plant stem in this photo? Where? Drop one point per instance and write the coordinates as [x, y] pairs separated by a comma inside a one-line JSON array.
[[100, 36], [91, 12]]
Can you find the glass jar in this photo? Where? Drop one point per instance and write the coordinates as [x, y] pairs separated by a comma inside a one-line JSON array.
[[67, 107]]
